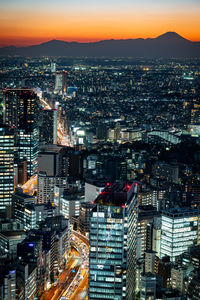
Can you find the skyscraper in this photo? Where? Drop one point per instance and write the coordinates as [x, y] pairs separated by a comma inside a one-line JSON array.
[[48, 129], [21, 111], [179, 230], [60, 82], [6, 165], [113, 233]]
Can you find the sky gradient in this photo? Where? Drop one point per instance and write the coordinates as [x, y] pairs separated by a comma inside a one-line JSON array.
[[26, 22]]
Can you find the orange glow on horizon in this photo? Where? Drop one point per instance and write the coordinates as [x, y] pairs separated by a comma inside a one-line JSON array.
[[29, 28]]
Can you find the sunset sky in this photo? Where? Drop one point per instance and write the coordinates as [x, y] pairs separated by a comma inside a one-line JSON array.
[[25, 22]]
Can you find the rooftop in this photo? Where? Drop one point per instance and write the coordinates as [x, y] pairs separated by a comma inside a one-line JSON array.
[[117, 194]]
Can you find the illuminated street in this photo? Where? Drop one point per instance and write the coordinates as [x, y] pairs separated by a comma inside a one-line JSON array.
[[79, 287], [30, 187], [73, 281], [65, 278]]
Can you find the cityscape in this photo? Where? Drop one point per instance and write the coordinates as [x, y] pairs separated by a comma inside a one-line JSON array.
[[99, 151]]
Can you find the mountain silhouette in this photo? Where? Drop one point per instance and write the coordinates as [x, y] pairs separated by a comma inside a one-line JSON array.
[[167, 45]]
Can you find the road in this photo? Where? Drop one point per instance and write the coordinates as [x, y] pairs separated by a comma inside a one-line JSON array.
[[30, 186], [80, 292], [73, 281], [65, 279]]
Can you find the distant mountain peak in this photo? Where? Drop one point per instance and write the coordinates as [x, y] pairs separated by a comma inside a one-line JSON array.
[[171, 35], [167, 45]]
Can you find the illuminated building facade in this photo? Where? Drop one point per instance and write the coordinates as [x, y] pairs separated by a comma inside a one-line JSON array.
[[21, 108], [113, 232], [28, 148], [60, 82], [6, 165], [47, 185], [179, 230]]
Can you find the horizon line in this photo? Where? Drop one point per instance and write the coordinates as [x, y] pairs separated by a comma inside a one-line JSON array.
[[86, 41]]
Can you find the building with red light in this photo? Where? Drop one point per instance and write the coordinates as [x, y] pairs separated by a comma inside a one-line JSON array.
[[113, 240]]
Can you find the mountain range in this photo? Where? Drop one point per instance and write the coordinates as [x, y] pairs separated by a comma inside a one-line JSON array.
[[168, 45]]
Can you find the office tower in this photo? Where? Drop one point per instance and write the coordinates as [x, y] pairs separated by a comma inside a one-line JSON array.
[[164, 270], [21, 108], [146, 217], [7, 282], [179, 230], [20, 212], [53, 67], [113, 232], [48, 128], [148, 286], [6, 165], [28, 148], [84, 217], [60, 82], [22, 171]]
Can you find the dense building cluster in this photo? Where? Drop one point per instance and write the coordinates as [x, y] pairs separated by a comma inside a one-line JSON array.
[[102, 154]]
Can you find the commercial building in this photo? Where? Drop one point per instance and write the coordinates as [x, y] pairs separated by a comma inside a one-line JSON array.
[[148, 286], [179, 230], [21, 214], [60, 82], [7, 283], [84, 217], [21, 108], [70, 204], [48, 128], [6, 165], [46, 187], [113, 232]]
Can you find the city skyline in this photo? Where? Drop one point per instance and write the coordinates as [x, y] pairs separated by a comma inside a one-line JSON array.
[[25, 23]]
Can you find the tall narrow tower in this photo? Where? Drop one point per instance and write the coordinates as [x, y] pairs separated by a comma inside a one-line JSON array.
[[113, 235], [21, 108], [6, 165], [60, 82]]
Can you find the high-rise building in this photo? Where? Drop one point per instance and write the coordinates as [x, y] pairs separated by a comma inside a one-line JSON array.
[[20, 212], [148, 286], [48, 128], [6, 165], [53, 67], [60, 82], [179, 230], [22, 171], [28, 148], [113, 232], [21, 108]]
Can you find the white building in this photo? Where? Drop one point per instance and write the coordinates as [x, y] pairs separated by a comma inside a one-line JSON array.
[[46, 187], [179, 230]]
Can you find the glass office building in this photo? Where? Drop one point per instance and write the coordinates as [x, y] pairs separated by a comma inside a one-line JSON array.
[[179, 230], [113, 231], [21, 110], [6, 165]]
